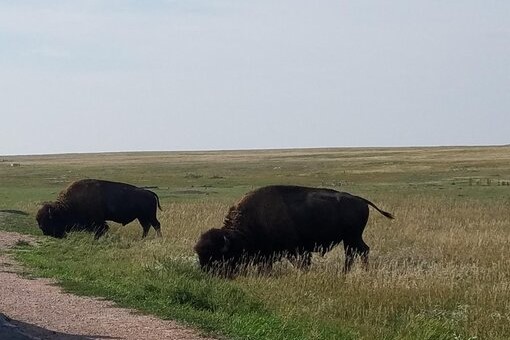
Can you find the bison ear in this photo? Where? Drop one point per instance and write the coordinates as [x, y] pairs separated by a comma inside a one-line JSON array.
[[226, 244]]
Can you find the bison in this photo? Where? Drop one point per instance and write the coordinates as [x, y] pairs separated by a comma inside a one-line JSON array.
[[87, 205], [286, 221]]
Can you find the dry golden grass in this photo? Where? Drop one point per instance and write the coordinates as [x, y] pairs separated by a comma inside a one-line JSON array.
[[451, 266], [442, 261], [440, 270]]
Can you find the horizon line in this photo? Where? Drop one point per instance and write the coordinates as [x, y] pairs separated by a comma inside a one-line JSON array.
[[256, 149]]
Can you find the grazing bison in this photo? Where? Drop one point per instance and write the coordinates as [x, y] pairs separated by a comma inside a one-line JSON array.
[[87, 205], [287, 221]]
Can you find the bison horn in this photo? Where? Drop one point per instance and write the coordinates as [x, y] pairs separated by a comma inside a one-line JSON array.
[[226, 245], [49, 212]]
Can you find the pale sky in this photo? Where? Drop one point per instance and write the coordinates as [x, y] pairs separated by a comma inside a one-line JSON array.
[[97, 75]]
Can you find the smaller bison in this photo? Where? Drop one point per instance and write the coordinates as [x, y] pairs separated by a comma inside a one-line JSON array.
[[286, 221], [87, 205]]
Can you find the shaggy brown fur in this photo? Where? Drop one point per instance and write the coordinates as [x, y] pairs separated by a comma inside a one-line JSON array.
[[87, 205], [287, 221]]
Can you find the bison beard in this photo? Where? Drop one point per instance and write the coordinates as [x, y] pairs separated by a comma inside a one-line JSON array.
[[286, 221], [88, 204]]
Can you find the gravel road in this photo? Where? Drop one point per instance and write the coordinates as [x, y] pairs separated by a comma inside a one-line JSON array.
[[39, 309]]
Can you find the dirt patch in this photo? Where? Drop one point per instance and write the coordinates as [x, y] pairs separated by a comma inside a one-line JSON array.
[[39, 309]]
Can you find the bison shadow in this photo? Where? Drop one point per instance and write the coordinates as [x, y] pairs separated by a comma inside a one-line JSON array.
[[19, 330], [14, 212]]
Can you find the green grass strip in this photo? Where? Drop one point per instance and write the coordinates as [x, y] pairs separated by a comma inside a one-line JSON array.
[[173, 289]]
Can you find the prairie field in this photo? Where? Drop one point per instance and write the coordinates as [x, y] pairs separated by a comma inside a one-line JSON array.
[[439, 270]]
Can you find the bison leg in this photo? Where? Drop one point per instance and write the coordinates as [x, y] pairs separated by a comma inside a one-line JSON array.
[[100, 230], [354, 249], [157, 226], [349, 258], [145, 226], [365, 249]]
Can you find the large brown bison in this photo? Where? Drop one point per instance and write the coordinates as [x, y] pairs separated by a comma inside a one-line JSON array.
[[87, 205], [287, 221]]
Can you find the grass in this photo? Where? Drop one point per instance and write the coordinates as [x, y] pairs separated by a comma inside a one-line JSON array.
[[440, 270]]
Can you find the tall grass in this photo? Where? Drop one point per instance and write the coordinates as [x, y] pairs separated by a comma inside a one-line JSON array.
[[453, 278], [440, 270]]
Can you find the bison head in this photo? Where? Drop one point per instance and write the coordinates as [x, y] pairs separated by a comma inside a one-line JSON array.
[[215, 250], [50, 220]]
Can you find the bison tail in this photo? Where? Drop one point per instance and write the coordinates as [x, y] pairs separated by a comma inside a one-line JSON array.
[[385, 213], [157, 200]]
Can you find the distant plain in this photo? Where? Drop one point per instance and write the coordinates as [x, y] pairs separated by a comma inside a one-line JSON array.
[[440, 270]]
